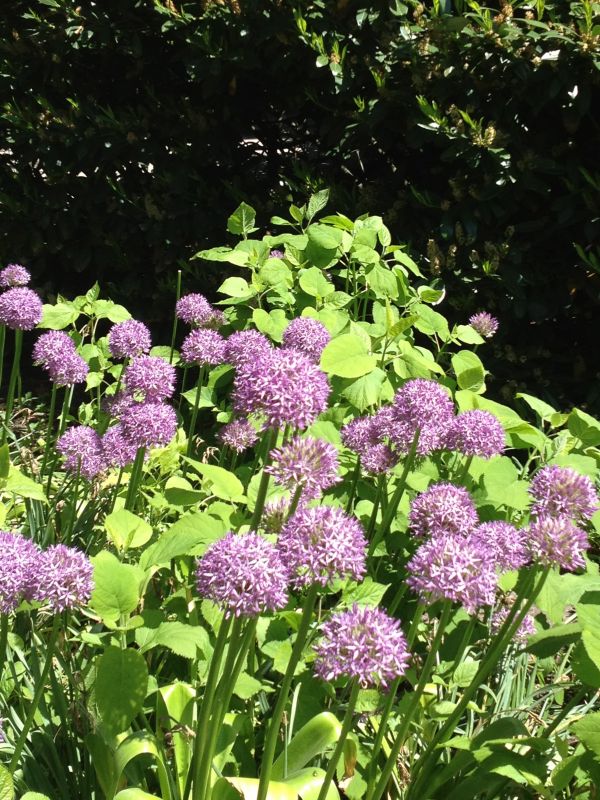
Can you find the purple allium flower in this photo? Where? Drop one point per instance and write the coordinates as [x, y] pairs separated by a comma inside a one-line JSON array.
[[557, 542], [198, 312], [360, 434], [525, 629], [442, 508], [203, 346], [476, 433], [307, 335], [68, 370], [507, 544], [150, 376], [52, 346], [118, 450], [450, 567], [64, 578], [129, 339], [274, 515], [284, 387], [119, 404], [561, 491], [484, 324], [20, 308], [321, 544], [305, 462], [378, 458], [14, 275], [239, 434], [149, 424], [244, 347], [244, 574], [364, 644], [18, 569], [419, 405], [276, 254], [82, 450]]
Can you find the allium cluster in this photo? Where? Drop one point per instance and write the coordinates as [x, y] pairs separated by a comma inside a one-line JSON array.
[[82, 450], [203, 346], [360, 434], [151, 377], [119, 404], [64, 578], [561, 491], [55, 352], [198, 312], [243, 574], [129, 339], [244, 347], [118, 449], [319, 545], [149, 424], [506, 544], [284, 387], [239, 434], [451, 567], [365, 436], [419, 405], [307, 335], [274, 515], [14, 275], [20, 309], [309, 463], [476, 433], [443, 508], [18, 570], [379, 458], [557, 542], [525, 629], [484, 324], [363, 644]]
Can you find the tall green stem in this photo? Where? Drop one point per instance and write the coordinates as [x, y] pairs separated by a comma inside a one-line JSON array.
[[12, 382], [2, 342], [465, 470], [135, 479], [49, 427], [3, 642], [355, 477], [64, 414], [270, 441], [195, 409], [341, 741], [174, 331]]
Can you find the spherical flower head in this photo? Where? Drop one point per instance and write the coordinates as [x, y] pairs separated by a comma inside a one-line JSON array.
[[151, 377], [284, 387], [276, 254], [305, 462], [18, 569], [484, 324], [243, 574], [52, 347], [244, 347], [198, 312], [14, 275], [506, 544], [307, 335], [69, 370], [203, 346], [239, 434], [119, 451], [118, 404], [362, 644], [557, 542], [319, 545], [64, 578], [129, 339], [442, 508], [451, 567], [82, 450], [476, 433], [419, 405], [274, 515], [20, 309], [378, 459], [149, 424], [526, 628], [561, 491], [360, 434]]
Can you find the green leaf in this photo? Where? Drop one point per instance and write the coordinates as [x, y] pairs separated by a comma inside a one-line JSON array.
[[550, 641], [246, 789], [324, 236], [180, 492], [59, 316], [7, 789], [382, 281], [587, 731], [542, 409], [236, 287], [23, 486], [367, 593], [135, 794], [183, 640], [127, 530], [4, 461], [116, 587], [34, 796], [586, 668], [366, 390], [120, 689], [314, 283], [241, 222], [311, 740], [347, 356], [464, 673], [502, 486], [468, 335], [584, 427], [219, 481], [307, 782], [317, 203], [246, 687], [429, 321], [469, 371], [190, 535], [272, 324], [224, 254]]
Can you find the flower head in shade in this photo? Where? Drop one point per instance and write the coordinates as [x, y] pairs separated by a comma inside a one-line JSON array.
[[526, 628], [20, 309], [364, 644], [243, 574], [305, 462], [378, 458], [244, 347], [360, 434], [450, 567], [274, 515], [239, 434], [307, 335], [284, 387], [419, 405], [484, 324], [442, 508], [506, 544], [203, 346], [64, 578], [198, 312], [149, 424], [118, 404], [119, 451], [14, 275], [129, 339], [276, 254], [561, 491], [18, 569], [557, 542], [82, 450], [476, 433], [151, 377], [319, 545]]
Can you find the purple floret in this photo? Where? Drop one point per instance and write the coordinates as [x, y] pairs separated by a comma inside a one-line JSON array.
[[203, 346], [484, 324], [305, 462], [129, 339], [239, 434], [20, 309], [14, 275], [557, 542], [378, 459], [561, 491], [307, 335], [82, 450], [507, 544], [55, 352], [419, 405], [149, 424], [64, 578], [198, 312], [526, 628], [18, 570], [476, 433], [119, 451], [244, 347], [443, 508], [151, 377]]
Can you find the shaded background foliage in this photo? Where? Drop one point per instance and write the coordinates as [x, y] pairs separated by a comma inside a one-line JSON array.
[[131, 130]]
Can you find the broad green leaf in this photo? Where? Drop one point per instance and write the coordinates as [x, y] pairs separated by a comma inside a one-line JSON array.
[[367, 593], [236, 287], [23, 486], [7, 789], [126, 529], [429, 321], [382, 280], [34, 796], [241, 222], [180, 492], [226, 254], [178, 699], [469, 371], [120, 688], [59, 316], [142, 743], [219, 481], [366, 390], [246, 686], [347, 356], [314, 283], [415, 362], [584, 427], [464, 673], [246, 789], [550, 641], [587, 731], [324, 236], [316, 203], [190, 535], [468, 335], [502, 486], [542, 409], [135, 794], [4, 461], [564, 771], [311, 740], [307, 782], [560, 591], [272, 324], [116, 587], [183, 640], [586, 667]]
